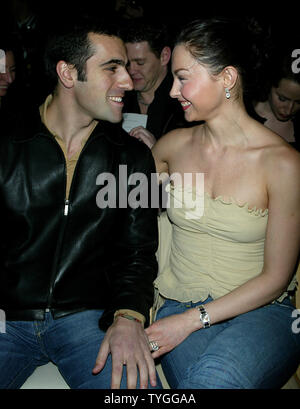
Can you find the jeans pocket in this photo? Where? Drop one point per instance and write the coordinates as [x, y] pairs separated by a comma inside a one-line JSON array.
[[286, 303], [169, 307]]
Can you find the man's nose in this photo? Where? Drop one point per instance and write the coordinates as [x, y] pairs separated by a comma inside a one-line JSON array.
[[126, 81], [132, 68]]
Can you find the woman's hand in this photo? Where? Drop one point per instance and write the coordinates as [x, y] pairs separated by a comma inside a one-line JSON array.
[[143, 135], [170, 331]]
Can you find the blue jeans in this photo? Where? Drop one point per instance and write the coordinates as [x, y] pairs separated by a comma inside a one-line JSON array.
[[71, 342], [255, 350]]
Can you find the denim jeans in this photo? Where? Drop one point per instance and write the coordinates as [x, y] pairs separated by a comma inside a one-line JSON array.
[[71, 342], [255, 350]]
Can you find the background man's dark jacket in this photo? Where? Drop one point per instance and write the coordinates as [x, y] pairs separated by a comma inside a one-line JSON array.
[[164, 113]]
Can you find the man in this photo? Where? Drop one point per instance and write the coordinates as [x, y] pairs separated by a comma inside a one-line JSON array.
[[149, 54], [69, 265]]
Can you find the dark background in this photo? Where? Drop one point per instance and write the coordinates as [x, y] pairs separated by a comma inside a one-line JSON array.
[[279, 18]]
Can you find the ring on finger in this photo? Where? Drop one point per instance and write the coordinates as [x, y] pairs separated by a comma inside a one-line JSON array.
[[154, 346]]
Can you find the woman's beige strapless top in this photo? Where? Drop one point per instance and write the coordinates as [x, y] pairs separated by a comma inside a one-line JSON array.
[[210, 248]]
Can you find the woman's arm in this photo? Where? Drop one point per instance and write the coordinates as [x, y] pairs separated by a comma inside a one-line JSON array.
[[281, 251], [165, 151], [161, 154]]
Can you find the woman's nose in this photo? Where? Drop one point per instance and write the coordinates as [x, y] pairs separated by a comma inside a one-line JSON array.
[[174, 92]]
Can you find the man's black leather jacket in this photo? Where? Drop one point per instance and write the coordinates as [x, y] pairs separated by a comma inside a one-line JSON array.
[[71, 256]]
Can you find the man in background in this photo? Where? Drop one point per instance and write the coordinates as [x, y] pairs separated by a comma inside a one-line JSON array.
[[149, 51]]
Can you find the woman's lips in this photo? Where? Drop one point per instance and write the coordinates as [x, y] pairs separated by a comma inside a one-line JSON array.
[[185, 105]]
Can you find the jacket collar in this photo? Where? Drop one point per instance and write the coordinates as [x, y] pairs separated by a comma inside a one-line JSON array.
[[113, 132], [27, 125]]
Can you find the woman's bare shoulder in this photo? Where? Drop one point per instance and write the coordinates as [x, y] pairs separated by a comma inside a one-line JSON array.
[[170, 145], [282, 164], [179, 133], [276, 159], [272, 145], [178, 137]]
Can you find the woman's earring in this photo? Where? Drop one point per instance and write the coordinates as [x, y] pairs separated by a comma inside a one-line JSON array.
[[227, 93]]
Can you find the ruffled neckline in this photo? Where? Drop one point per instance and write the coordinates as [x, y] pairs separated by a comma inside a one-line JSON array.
[[232, 201]]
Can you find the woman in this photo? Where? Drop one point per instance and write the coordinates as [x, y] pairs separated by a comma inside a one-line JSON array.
[[10, 93], [226, 319], [7, 69], [280, 112]]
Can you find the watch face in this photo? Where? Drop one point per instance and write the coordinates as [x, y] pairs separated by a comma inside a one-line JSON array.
[[204, 317]]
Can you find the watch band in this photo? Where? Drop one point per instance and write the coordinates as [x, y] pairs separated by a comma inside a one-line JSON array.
[[128, 317], [133, 313], [204, 317]]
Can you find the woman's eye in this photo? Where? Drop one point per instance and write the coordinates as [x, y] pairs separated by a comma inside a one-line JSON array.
[[281, 98]]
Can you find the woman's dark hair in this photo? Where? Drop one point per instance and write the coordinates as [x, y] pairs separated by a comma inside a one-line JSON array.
[[71, 44], [219, 42], [7, 42]]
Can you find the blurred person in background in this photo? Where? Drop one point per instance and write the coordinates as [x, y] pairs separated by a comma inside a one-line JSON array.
[[280, 110]]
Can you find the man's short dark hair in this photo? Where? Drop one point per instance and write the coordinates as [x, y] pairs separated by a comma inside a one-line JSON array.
[[140, 30], [70, 43]]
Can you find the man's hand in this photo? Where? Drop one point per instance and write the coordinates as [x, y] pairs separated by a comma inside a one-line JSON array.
[[128, 344], [143, 135]]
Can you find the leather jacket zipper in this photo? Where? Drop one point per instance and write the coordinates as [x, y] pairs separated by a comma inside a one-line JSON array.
[[65, 214], [66, 209]]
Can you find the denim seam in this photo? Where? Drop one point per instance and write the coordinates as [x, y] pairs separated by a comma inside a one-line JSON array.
[[20, 372], [39, 334]]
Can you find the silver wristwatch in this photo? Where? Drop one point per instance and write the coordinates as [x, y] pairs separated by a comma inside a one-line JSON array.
[[204, 317]]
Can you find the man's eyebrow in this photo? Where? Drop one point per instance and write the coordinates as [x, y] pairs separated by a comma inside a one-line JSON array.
[[113, 61]]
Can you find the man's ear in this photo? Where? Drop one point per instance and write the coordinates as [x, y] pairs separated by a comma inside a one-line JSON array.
[[165, 55], [230, 77], [65, 73]]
